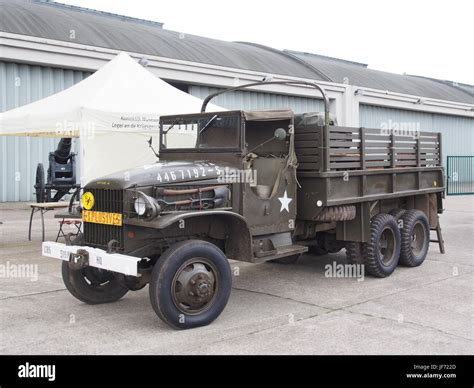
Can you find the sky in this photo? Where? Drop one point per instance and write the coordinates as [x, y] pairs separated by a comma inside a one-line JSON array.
[[421, 37]]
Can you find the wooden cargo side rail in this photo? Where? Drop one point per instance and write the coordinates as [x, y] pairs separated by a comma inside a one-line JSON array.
[[308, 148], [330, 148], [366, 164], [367, 148]]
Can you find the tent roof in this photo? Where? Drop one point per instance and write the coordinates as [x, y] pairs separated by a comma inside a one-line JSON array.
[[121, 87]]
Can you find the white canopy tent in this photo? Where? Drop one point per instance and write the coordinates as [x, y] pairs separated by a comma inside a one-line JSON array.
[[113, 112]]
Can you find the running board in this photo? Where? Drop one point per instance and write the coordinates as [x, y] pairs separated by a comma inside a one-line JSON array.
[[284, 251]]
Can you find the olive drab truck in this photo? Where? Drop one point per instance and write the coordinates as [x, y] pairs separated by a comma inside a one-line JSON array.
[[253, 186]]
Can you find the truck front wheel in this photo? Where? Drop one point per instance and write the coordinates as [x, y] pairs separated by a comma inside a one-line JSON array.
[[190, 284], [92, 285], [382, 252]]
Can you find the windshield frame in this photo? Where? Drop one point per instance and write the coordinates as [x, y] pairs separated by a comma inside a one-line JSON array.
[[166, 120]]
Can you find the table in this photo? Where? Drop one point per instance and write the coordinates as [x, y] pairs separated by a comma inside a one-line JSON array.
[[44, 208]]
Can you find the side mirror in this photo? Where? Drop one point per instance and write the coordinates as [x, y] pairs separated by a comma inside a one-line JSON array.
[[150, 144], [280, 134]]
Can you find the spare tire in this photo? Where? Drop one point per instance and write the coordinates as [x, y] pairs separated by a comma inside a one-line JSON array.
[[337, 213]]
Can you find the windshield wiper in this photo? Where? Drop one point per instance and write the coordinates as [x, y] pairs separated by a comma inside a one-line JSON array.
[[172, 125], [211, 120]]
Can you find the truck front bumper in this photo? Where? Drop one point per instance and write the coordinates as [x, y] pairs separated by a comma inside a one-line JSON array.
[[82, 256]]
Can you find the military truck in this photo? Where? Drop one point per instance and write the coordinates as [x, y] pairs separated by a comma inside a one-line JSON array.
[[252, 186]]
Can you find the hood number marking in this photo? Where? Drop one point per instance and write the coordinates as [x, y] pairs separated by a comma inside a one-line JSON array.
[[173, 175]]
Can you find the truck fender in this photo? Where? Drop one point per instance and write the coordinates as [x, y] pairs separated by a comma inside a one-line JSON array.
[[238, 244]]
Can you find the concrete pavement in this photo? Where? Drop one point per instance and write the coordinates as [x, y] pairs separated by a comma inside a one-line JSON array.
[[273, 309]]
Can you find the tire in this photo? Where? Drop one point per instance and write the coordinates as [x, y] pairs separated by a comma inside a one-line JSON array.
[[40, 191], [286, 260], [92, 285], [337, 213], [397, 213], [355, 252], [415, 233], [382, 253], [182, 264]]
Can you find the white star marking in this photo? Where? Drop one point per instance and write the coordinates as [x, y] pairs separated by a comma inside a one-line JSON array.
[[285, 201]]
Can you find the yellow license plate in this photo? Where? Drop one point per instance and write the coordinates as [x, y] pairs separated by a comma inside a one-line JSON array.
[[102, 217]]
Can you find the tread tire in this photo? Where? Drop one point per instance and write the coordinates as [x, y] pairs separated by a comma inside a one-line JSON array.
[[407, 256], [355, 252], [162, 279], [76, 284], [374, 262]]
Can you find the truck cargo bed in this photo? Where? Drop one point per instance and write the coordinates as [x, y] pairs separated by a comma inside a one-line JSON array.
[[343, 165]]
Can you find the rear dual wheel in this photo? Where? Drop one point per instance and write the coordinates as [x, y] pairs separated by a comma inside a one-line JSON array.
[[382, 252], [397, 213], [355, 252], [415, 234], [399, 237]]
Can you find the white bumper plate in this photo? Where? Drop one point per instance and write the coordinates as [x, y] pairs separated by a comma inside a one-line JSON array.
[[127, 265]]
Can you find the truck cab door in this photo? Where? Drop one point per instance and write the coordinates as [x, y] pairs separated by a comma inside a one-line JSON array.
[[269, 202]]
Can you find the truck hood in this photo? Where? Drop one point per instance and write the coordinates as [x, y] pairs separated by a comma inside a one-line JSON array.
[[160, 173]]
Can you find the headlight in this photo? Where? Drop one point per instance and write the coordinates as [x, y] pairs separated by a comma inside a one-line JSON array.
[[146, 206], [140, 206]]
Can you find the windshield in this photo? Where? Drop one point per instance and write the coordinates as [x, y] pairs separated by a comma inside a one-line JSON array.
[[201, 133]]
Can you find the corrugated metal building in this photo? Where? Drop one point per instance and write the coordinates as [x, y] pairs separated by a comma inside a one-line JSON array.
[[21, 84], [46, 47]]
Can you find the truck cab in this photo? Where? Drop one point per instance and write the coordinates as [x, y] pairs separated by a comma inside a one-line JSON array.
[[254, 154]]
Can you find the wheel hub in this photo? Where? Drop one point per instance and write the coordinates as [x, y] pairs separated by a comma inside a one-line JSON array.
[[194, 286], [387, 246], [418, 239]]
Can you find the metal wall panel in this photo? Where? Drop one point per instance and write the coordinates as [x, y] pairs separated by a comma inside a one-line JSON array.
[[257, 100], [21, 84], [460, 175], [457, 132]]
